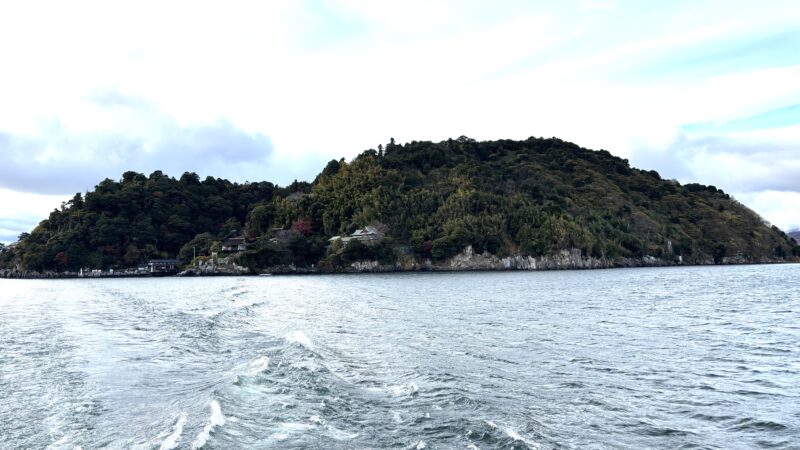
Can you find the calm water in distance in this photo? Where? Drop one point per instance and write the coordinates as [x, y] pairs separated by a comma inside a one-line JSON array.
[[690, 357]]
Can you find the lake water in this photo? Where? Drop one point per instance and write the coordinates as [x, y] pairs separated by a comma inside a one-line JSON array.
[[694, 357]]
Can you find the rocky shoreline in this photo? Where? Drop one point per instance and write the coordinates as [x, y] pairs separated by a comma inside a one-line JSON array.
[[467, 260]]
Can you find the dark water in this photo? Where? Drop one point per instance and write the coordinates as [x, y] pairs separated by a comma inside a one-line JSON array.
[[642, 358]]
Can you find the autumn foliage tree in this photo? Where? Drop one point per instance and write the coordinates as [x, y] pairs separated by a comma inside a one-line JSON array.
[[303, 226]]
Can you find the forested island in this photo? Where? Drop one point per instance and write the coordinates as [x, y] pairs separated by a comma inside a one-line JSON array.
[[453, 205]]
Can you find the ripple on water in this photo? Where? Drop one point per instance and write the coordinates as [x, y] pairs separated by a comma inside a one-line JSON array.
[[668, 358], [756, 425]]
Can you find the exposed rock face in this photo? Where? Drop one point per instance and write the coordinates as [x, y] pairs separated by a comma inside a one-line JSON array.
[[469, 260], [565, 259], [738, 259], [365, 266], [290, 269], [217, 266], [404, 264]]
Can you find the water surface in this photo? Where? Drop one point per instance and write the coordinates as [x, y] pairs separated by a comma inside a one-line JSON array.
[[697, 357]]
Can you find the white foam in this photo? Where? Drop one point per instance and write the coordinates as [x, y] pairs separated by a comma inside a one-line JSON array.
[[510, 432], [289, 428], [298, 337], [471, 446], [421, 445], [216, 419], [340, 435], [258, 365], [401, 390], [309, 365], [292, 426], [251, 369], [58, 444], [279, 436], [172, 440]]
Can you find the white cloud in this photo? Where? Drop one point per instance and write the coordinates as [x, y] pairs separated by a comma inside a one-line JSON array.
[[61, 159], [333, 78], [778, 207], [760, 168], [21, 212]]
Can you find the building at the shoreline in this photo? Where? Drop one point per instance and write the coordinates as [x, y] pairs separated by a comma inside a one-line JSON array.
[[161, 266], [234, 244]]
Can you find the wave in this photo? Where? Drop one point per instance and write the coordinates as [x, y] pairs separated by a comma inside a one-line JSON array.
[[298, 337], [295, 426], [340, 435], [238, 292], [711, 418], [216, 419], [172, 440], [251, 369], [511, 433], [750, 424], [258, 365], [289, 428], [403, 390], [333, 432]]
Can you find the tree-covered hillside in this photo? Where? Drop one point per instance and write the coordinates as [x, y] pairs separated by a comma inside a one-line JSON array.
[[430, 200]]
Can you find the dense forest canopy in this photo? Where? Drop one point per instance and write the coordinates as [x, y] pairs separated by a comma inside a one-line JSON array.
[[430, 200]]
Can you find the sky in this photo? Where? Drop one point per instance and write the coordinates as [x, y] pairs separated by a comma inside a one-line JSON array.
[[701, 91]]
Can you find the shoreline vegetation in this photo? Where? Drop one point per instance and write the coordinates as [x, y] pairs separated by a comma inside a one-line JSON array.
[[455, 205]]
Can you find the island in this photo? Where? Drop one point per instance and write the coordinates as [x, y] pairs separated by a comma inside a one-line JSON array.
[[459, 204]]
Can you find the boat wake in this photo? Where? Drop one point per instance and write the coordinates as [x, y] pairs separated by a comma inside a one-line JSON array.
[[172, 440], [216, 419]]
